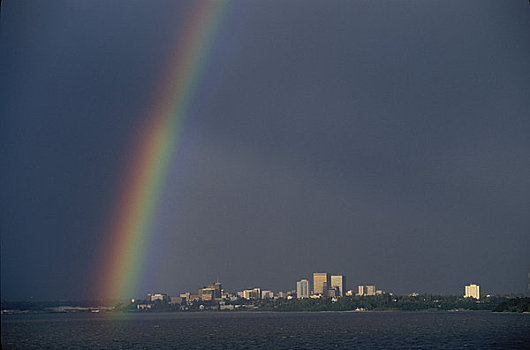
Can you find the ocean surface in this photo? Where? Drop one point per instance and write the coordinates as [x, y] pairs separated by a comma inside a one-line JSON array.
[[263, 330]]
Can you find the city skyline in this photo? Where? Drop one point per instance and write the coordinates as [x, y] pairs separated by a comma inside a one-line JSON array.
[[304, 288], [155, 145]]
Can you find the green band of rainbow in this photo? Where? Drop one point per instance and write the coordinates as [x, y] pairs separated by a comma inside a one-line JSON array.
[[130, 229]]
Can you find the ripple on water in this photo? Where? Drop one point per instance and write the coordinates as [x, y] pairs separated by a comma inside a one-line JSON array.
[[267, 331]]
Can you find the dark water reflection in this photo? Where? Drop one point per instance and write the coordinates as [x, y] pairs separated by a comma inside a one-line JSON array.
[[388, 330]]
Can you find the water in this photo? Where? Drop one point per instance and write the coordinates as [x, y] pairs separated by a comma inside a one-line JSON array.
[[344, 330]]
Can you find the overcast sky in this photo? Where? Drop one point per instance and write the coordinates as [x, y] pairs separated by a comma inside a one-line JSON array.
[[385, 140]]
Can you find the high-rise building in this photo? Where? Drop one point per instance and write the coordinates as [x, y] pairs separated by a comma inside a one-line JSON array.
[[302, 289], [321, 282], [472, 291], [338, 281]]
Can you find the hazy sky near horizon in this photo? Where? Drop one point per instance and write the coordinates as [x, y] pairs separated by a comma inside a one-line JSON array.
[[385, 140]]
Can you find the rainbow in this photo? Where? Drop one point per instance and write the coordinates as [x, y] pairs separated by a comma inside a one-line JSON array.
[[124, 252]]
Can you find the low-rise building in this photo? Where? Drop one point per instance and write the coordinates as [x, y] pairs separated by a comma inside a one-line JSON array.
[[333, 292], [144, 306], [157, 296], [254, 293], [282, 295], [267, 294], [175, 300]]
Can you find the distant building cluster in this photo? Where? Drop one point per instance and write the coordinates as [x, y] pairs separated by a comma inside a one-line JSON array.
[[331, 286], [322, 285], [212, 296]]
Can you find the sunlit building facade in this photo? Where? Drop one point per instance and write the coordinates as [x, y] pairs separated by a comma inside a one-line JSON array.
[[157, 296], [338, 281], [367, 290], [321, 283], [254, 293], [360, 290], [212, 292], [472, 291], [370, 290]]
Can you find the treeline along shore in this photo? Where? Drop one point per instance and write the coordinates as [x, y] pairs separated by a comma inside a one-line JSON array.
[[386, 302]]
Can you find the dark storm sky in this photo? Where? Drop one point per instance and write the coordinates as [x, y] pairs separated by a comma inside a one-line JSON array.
[[388, 141]]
